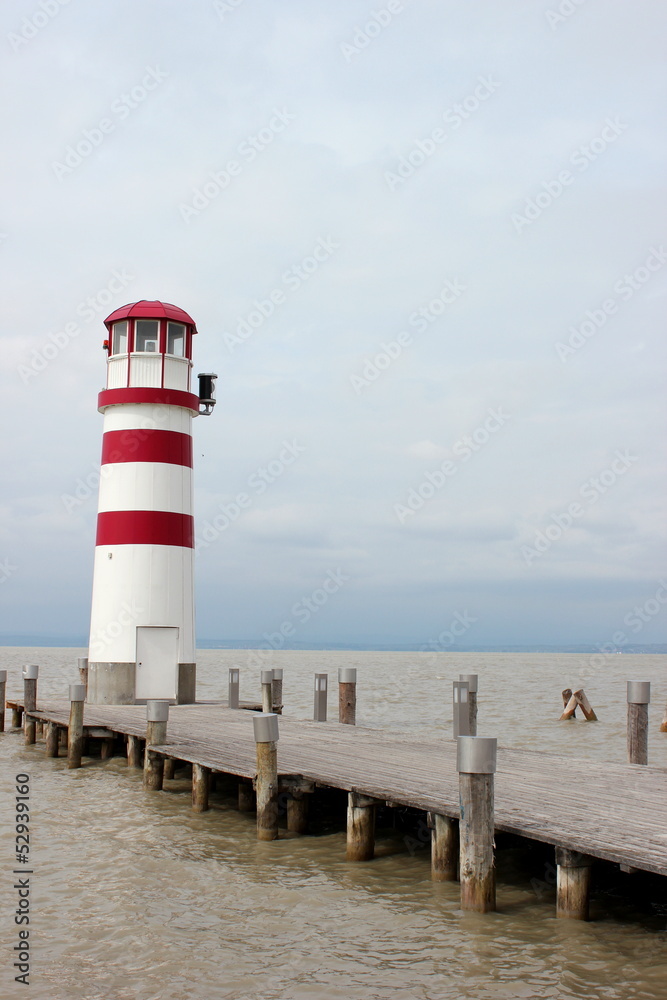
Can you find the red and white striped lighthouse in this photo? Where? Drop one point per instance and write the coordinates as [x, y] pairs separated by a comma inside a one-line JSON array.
[[142, 638]]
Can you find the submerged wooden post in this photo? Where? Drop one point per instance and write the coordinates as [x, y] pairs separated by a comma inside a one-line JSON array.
[[77, 695], [265, 729], [134, 752], [472, 681], [663, 724], [30, 674], [476, 764], [201, 780], [3, 696], [573, 884], [569, 705], [320, 700], [233, 688], [52, 741], [297, 810], [246, 796], [267, 691], [444, 848], [169, 769], [360, 827], [82, 666], [585, 705], [277, 691], [17, 717], [639, 696], [347, 695], [157, 716], [460, 710]]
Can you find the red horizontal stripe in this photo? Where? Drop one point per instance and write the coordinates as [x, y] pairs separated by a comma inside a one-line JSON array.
[[145, 527], [144, 445], [172, 397]]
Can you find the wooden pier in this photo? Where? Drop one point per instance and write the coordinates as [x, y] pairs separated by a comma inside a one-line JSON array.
[[585, 809]]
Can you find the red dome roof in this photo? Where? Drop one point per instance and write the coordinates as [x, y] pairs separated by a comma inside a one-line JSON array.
[[150, 310]]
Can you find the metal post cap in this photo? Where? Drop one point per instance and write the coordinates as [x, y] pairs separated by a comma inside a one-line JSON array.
[[639, 692], [30, 672], [82, 662], [476, 754], [77, 692], [157, 711], [265, 727], [347, 675], [471, 681], [267, 676], [3, 676], [277, 673]]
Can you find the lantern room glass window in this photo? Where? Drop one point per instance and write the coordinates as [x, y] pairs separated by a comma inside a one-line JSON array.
[[146, 336], [176, 339], [119, 338]]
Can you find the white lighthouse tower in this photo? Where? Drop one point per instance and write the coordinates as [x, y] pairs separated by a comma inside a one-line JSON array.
[[142, 638]]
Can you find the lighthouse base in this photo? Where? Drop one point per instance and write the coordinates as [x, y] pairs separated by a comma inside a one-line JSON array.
[[111, 683]]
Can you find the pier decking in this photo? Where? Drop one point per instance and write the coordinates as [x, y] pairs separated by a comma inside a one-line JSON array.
[[609, 811]]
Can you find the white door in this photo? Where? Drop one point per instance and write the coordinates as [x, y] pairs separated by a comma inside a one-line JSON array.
[[157, 663]]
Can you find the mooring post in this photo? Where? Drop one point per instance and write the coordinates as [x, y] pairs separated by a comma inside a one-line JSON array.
[[82, 665], [360, 827], [460, 710], [663, 724], [266, 736], [52, 740], [347, 695], [476, 764], [30, 675], [233, 689], [267, 691], [320, 701], [134, 752], [3, 696], [573, 884], [201, 783], [246, 796], [77, 696], [472, 682], [277, 691], [639, 696], [444, 848], [157, 716]]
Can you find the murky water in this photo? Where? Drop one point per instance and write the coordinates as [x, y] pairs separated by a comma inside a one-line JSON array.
[[135, 896]]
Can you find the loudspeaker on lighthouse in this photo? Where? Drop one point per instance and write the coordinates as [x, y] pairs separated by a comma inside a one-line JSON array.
[[142, 635]]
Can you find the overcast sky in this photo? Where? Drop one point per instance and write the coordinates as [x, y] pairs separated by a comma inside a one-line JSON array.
[[425, 244]]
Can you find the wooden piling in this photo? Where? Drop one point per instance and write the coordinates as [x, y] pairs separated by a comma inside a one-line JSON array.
[[52, 741], [266, 735], [472, 681], [444, 848], [297, 811], [134, 752], [169, 769], [201, 777], [573, 884], [347, 695], [106, 748], [585, 705], [17, 716], [77, 694], [246, 797], [476, 763], [157, 716], [639, 696], [360, 827], [30, 674], [277, 691], [3, 697], [267, 691], [663, 724], [567, 694]]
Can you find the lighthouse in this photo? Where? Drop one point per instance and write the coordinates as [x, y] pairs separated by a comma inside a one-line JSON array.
[[142, 635]]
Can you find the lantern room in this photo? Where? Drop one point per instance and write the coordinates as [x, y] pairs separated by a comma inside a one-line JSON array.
[[150, 345]]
